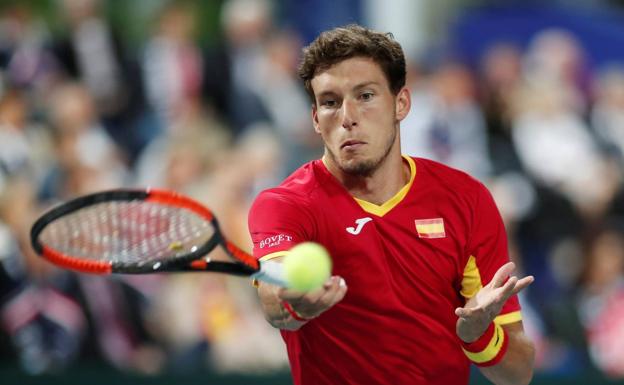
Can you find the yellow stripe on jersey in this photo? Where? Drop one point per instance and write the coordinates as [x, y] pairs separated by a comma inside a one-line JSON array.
[[381, 210], [276, 254], [508, 318], [471, 282]]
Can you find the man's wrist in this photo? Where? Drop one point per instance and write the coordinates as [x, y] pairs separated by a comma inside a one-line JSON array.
[[488, 349], [468, 332], [293, 313]]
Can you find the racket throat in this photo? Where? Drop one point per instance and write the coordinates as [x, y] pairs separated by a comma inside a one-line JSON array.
[[271, 272]]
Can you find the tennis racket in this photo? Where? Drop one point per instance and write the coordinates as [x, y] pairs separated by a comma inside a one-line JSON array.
[[139, 232]]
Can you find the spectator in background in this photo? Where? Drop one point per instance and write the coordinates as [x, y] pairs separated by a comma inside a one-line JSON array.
[[25, 55], [87, 158], [447, 124], [206, 138], [91, 52], [607, 113], [563, 164], [232, 67], [500, 80], [601, 304], [45, 326], [551, 139], [172, 63], [281, 95], [183, 159], [549, 131], [556, 55], [25, 147]]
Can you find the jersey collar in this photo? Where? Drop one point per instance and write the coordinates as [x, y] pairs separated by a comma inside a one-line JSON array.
[[384, 208]]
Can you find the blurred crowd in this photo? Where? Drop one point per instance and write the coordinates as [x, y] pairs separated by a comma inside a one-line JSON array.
[[82, 111]]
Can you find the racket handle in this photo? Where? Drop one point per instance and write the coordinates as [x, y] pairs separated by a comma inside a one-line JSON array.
[[271, 272]]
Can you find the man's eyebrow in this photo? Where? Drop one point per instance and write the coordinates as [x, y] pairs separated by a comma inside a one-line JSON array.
[[355, 88], [365, 84], [326, 93]]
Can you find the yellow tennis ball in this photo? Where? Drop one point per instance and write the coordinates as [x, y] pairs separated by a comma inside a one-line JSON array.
[[307, 266]]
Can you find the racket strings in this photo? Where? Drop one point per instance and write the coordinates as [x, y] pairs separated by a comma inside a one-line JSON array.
[[128, 232]]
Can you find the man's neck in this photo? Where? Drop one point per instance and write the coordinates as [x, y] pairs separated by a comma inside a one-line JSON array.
[[377, 188]]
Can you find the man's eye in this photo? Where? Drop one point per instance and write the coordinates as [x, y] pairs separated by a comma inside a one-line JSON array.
[[367, 95], [328, 103]]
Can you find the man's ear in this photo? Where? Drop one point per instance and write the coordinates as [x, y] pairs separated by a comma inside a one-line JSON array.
[[403, 103], [315, 121]]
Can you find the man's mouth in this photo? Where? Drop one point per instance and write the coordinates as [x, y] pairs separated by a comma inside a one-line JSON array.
[[351, 144]]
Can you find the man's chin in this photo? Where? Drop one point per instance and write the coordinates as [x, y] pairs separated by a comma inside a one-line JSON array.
[[358, 167]]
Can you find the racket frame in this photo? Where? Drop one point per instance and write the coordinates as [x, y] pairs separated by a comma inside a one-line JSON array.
[[195, 260]]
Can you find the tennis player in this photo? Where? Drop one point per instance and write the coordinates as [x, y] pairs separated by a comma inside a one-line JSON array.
[[422, 248]]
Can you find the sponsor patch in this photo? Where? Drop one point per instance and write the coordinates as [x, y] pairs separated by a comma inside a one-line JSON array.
[[274, 240]]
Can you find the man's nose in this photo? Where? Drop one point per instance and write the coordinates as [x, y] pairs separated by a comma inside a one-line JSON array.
[[349, 114]]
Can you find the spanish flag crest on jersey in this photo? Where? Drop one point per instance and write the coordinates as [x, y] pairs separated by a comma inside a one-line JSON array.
[[430, 228]]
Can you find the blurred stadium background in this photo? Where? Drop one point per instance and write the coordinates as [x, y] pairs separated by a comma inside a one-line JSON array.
[[202, 97]]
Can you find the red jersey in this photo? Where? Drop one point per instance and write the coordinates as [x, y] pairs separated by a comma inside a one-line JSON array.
[[408, 264]]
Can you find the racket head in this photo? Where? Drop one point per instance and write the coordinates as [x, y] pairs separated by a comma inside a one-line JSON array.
[[134, 231]]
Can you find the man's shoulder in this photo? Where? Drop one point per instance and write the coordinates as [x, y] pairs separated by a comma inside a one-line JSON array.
[[297, 188], [445, 175], [303, 180]]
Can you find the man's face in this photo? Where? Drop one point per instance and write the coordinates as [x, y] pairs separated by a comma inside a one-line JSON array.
[[357, 115]]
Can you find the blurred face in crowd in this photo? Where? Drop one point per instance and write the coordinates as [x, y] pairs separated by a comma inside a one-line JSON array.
[[606, 263], [357, 115], [13, 110]]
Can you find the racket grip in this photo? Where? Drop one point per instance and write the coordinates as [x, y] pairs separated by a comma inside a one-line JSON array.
[[271, 272]]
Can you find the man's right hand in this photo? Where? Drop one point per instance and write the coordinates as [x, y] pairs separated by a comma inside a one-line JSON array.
[[311, 304], [307, 305]]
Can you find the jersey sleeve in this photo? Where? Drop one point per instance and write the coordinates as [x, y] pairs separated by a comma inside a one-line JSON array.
[[277, 223], [487, 252]]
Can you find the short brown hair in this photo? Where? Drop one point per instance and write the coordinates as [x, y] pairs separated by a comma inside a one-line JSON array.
[[333, 46]]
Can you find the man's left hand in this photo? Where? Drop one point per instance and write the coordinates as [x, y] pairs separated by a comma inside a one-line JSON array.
[[475, 317]]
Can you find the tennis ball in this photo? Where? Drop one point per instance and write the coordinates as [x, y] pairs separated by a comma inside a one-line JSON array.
[[307, 266]]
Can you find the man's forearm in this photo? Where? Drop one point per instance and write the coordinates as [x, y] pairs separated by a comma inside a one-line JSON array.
[[516, 367]]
